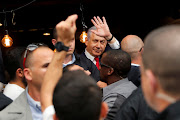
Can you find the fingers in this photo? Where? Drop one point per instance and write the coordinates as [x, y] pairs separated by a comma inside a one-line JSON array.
[[94, 23], [100, 21], [104, 20], [97, 21], [94, 31], [72, 19]]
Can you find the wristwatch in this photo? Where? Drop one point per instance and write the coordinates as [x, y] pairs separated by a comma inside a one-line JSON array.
[[110, 39], [60, 47]]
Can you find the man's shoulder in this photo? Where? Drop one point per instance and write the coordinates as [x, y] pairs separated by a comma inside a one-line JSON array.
[[4, 101], [16, 110]]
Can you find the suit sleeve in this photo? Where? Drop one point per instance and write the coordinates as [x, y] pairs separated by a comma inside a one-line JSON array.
[[114, 102]]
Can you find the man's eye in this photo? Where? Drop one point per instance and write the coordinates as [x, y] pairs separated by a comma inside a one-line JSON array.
[[46, 65], [102, 42]]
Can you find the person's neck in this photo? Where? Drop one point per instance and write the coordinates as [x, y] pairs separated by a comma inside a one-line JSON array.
[[164, 100], [18, 82], [136, 61], [112, 79], [34, 93], [161, 105], [68, 58]]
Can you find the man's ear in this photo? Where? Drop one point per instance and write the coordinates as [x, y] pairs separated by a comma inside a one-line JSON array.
[[27, 74], [152, 81], [19, 72], [86, 42], [54, 41], [104, 110], [110, 71], [55, 117]]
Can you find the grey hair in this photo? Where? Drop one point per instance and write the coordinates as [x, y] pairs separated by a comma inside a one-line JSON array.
[[89, 31]]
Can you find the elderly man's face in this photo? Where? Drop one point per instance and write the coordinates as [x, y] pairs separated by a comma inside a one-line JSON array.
[[96, 45]]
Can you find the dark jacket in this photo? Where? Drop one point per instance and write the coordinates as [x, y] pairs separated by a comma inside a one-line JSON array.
[[4, 101], [134, 75], [135, 108], [87, 64], [172, 112]]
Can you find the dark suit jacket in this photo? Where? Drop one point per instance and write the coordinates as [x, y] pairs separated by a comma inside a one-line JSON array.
[[135, 108], [87, 64], [134, 75], [4, 101]]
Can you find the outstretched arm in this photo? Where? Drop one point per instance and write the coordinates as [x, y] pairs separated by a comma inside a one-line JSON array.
[[65, 31], [103, 30]]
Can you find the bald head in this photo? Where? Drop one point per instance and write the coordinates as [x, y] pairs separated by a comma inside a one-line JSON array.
[[162, 56], [132, 45]]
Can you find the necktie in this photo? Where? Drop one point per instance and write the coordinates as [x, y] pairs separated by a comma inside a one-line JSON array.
[[97, 62]]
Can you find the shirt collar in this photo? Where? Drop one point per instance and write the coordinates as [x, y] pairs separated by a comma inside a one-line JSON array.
[[88, 55], [34, 104], [135, 64], [70, 62]]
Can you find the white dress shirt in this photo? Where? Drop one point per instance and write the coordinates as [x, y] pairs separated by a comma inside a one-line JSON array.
[[13, 91], [48, 113]]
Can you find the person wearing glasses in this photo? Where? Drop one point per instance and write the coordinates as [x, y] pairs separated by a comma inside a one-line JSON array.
[[114, 68], [27, 106], [133, 45]]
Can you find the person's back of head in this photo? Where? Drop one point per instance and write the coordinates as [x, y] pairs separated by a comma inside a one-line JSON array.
[[161, 55], [13, 61], [161, 67], [119, 60], [77, 97], [133, 45]]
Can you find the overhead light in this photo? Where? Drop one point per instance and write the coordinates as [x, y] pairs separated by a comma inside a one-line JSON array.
[[7, 41], [83, 37], [1, 24], [32, 30], [46, 34]]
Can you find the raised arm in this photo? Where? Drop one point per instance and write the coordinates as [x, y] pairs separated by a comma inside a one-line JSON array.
[[65, 31], [103, 31]]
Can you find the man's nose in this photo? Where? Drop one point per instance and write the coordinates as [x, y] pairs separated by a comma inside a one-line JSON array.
[[98, 45]]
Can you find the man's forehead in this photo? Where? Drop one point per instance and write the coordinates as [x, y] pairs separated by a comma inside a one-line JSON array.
[[94, 36], [43, 52]]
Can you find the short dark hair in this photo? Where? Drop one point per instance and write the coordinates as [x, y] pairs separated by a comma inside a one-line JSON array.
[[119, 60], [77, 97], [54, 33], [13, 60]]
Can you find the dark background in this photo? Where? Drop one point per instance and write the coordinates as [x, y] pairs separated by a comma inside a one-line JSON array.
[[123, 18]]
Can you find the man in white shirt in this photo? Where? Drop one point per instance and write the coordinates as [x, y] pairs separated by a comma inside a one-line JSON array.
[[14, 68]]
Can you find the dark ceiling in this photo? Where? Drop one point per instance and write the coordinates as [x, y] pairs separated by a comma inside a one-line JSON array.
[[42, 15]]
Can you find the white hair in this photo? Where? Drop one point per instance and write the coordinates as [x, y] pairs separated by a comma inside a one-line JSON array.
[[89, 31]]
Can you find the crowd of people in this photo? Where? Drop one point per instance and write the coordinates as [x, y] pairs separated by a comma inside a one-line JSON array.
[[110, 80]]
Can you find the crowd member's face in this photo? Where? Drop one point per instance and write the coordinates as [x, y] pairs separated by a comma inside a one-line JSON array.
[[41, 59], [95, 45], [103, 70], [71, 47]]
